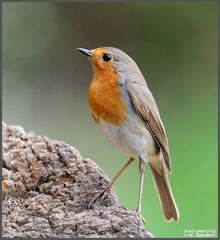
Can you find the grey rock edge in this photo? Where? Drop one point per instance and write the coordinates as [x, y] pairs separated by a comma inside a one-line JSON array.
[[46, 189]]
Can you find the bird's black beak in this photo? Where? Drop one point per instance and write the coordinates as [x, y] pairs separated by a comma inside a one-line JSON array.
[[85, 51]]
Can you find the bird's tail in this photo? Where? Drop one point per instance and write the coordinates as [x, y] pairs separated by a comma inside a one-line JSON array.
[[164, 191]]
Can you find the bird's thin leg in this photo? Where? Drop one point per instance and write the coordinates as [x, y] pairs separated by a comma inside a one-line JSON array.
[[142, 171], [111, 183]]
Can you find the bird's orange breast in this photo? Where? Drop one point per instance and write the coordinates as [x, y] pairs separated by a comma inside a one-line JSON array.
[[104, 97]]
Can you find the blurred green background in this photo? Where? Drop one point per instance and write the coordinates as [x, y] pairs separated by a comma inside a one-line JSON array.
[[45, 83]]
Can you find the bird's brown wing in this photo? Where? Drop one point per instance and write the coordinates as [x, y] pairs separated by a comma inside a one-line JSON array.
[[144, 104]]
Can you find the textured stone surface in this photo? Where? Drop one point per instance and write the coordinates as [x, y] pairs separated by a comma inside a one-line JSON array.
[[46, 189]]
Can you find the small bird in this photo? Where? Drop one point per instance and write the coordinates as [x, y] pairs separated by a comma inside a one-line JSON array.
[[124, 108]]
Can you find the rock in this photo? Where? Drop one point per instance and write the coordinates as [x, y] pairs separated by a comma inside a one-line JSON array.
[[47, 186]]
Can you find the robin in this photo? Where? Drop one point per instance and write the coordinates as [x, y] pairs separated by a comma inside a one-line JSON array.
[[125, 110]]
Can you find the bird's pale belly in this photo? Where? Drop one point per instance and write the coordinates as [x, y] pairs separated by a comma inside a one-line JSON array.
[[131, 137]]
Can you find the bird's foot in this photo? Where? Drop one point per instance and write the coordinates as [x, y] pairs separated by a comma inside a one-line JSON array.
[[98, 195], [134, 212], [138, 213]]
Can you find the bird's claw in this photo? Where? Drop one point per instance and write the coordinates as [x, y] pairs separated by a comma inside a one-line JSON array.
[[137, 211], [98, 195]]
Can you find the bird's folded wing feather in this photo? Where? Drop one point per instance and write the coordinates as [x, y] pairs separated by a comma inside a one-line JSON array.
[[144, 104]]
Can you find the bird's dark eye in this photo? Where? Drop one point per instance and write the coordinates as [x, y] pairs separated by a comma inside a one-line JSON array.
[[107, 57]]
